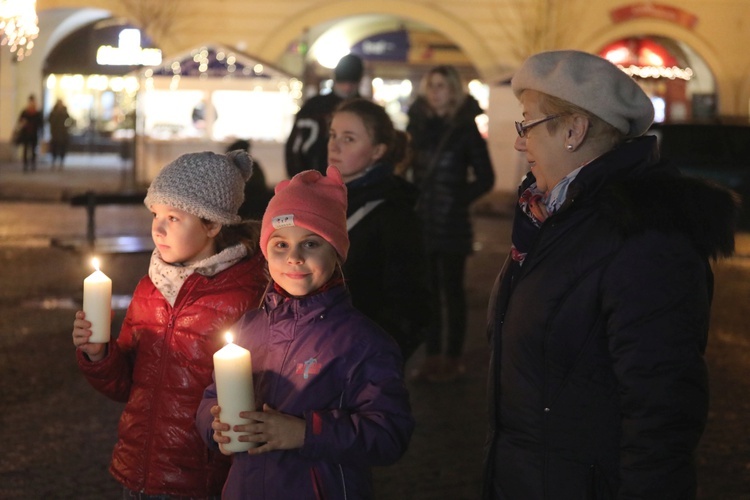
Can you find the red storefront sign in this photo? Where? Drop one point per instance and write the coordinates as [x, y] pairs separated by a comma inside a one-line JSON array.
[[655, 10]]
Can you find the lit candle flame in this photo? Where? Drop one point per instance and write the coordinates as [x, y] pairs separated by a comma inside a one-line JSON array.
[[228, 337], [95, 263]]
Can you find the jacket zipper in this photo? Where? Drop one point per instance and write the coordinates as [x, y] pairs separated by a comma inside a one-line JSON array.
[[163, 361]]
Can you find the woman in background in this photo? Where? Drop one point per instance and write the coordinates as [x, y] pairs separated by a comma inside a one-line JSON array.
[[30, 122], [452, 168], [59, 123], [385, 271]]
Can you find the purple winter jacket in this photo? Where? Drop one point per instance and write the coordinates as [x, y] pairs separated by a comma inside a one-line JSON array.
[[319, 359]]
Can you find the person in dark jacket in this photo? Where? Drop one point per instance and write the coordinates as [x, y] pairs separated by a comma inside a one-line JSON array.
[[385, 272], [599, 319], [257, 193], [306, 147], [205, 273], [328, 382], [452, 168], [30, 122], [59, 125]]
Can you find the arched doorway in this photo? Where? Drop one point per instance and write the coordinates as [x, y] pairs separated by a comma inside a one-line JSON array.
[[396, 51]]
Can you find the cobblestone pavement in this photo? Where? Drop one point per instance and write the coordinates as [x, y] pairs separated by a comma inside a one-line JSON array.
[[57, 433]]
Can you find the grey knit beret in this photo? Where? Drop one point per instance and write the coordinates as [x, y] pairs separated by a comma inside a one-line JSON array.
[[590, 82], [208, 185]]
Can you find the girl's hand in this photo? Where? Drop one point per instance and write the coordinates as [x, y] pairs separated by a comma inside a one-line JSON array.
[[276, 430], [218, 426], [81, 334]]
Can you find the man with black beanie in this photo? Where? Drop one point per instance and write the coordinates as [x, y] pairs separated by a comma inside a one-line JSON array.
[[307, 146]]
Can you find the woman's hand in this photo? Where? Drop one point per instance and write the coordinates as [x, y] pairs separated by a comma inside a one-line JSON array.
[[81, 334], [276, 430]]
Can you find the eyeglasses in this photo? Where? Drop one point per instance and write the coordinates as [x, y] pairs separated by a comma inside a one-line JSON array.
[[523, 127]]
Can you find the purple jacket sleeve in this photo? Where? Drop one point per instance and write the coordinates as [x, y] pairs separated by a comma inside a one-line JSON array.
[[203, 417]]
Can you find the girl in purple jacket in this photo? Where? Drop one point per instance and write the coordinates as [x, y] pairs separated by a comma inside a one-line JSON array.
[[328, 381]]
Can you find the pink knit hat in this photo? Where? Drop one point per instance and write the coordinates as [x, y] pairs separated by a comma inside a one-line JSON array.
[[312, 201]]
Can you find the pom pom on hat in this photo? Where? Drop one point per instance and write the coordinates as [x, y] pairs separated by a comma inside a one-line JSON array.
[[312, 201], [349, 69], [590, 82], [208, 185]]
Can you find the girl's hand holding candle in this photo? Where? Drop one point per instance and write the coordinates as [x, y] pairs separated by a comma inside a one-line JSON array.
[[97, 304], [81, 334], [233, 369]]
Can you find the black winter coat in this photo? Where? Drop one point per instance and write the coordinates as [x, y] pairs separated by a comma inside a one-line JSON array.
[[307, 145], [385, 269], [30, 126], [452, 168], [598, 387]]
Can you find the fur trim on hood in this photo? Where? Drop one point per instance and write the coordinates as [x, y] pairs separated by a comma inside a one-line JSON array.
[[704, 212], [638, 192]]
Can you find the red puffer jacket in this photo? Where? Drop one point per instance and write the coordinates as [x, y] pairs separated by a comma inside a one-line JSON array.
[[160, 365]]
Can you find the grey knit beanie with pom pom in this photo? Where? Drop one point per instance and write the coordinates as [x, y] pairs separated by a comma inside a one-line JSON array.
[[208, 185]]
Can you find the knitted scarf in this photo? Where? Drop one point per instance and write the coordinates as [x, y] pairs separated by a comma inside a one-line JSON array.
[[169, 278]]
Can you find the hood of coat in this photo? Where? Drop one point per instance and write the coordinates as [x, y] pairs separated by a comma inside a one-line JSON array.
[[638, 192], [308, 308], [389, 187]]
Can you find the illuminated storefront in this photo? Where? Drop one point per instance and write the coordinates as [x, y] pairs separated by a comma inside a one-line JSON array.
[[664, 71], [89, 71], [205, 99], [123, 98]]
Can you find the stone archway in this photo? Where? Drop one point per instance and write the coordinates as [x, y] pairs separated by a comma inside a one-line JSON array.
[[473, 46]]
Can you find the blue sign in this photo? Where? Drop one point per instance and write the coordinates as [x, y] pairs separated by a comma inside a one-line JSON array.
[[389, 46]]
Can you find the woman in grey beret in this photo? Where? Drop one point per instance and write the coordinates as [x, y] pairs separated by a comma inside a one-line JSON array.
[[599, 318]]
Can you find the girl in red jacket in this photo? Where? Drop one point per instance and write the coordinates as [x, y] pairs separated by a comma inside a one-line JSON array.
[[205, 271]]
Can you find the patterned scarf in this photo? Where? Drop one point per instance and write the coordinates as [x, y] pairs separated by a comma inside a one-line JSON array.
[[536, 207], [530, 214], [169, 278]]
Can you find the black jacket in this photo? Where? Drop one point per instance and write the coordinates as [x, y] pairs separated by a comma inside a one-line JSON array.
[[307, 145], [598, 387], [30, 125], [385, 269], [452, 168]]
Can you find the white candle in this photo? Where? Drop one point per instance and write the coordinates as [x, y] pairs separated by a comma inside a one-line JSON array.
[[97, 304], [233, 369]]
